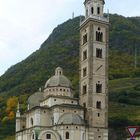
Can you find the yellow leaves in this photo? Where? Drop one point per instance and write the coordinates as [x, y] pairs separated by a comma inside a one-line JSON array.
[[11, 103], [11, 115], [11, 107]]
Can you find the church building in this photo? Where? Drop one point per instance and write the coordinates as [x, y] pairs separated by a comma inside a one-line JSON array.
[[54, 113]]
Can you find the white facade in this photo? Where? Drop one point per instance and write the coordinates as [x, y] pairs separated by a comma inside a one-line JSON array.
[[52, 114]]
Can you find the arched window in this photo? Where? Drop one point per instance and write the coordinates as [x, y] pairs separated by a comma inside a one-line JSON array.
[[33, 136], [32, 121], [98, 104], [98, 10], [99, 36], [98, 88], [67, 135], [92, 10]]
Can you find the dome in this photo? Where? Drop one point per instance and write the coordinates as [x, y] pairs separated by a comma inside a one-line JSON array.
[[34, 99], [69, 118], [58, 80]]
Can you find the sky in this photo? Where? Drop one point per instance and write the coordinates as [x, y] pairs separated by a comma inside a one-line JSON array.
[[26, 24]]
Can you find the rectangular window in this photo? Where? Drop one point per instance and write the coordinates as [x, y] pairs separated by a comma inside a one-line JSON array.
[[92, 10], [48, 136], [84, 72], [98, 88], [98, 10], [85, 55], [84, 39], [98, 53], [84, 105], [84, 89], [98, 105], [86, 13]]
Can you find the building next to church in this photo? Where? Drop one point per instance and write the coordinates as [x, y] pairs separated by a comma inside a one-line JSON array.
[[54, 113]]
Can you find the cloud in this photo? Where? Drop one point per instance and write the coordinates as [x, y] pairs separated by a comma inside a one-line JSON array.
[[7, 56], [25, 24], [126, 8]]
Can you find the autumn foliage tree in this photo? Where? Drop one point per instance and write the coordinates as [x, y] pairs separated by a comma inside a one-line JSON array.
[[11, 106]]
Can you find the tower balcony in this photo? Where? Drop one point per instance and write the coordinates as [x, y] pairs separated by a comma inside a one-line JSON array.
[[95, 17]]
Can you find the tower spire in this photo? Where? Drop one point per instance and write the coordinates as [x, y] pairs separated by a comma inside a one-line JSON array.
[[18, 121], [18, 110]]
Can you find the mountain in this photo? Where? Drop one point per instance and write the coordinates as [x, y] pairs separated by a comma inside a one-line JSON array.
[[62, 49]]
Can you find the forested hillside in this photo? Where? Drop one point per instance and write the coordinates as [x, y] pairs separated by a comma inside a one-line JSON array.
[[62, 49]]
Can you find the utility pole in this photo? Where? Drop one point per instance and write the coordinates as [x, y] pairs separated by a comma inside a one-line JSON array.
[[108, 13], [135, 61], [73, 15]]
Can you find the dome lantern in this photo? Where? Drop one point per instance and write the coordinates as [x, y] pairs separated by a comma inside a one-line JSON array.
[[58, 71]]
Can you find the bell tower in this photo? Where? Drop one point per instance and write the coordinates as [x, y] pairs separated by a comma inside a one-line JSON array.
[[94, 37], [94, 7]]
